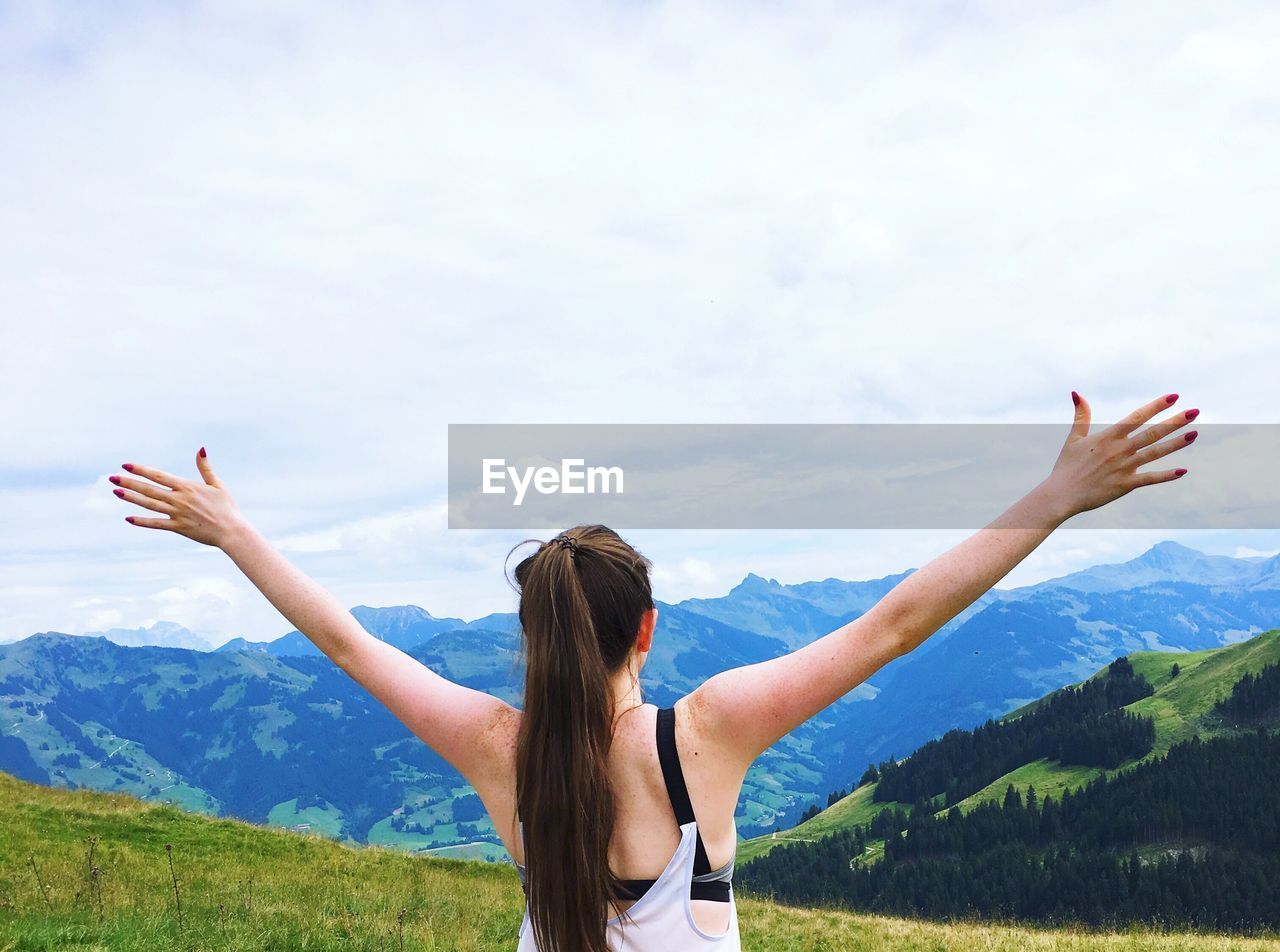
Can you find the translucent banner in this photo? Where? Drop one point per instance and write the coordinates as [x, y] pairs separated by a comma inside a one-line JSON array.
[[830, 476]]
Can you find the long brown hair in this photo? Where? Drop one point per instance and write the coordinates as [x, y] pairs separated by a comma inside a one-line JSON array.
[[582, 598]]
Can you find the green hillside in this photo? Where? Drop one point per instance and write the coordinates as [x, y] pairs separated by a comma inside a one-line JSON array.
[[244, 887], [1181, 708], [856, 809], [298, 743]]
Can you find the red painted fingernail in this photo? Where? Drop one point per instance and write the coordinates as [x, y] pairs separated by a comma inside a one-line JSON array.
[[128, 519], [1075, 398], [114, 479], [1179, 472], [128, 466], [119, 492], [1171, 398], [202, 451], [1191, 437], [1192, 414]]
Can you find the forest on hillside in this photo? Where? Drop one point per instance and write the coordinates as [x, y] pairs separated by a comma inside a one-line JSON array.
[[1191, 840], [1076, 725]]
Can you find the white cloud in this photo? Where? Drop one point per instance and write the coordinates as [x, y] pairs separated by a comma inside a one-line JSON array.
[[1245, 552], [310, 236]]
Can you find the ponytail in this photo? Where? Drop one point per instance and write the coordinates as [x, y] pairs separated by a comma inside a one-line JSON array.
[[582, 597]]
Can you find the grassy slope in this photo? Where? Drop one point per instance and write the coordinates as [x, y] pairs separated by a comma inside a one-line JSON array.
[[1180, 707], [854, 810], [283, 891]]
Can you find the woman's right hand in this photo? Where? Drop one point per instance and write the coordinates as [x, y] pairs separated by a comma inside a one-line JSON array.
[[1095, 469], [201, 510]]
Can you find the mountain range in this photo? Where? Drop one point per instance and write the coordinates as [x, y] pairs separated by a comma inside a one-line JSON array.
[[273, 731]]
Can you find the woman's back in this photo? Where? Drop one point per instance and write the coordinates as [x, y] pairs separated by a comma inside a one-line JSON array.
[[649, 843], [663, 918]]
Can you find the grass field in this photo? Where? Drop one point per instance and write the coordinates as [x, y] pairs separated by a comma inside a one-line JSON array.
[[325, 819], [246, 887]]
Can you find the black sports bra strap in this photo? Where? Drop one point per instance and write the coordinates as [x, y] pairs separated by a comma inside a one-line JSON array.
[[669, 757]]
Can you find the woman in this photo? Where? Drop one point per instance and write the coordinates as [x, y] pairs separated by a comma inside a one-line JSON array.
[[620, 815]]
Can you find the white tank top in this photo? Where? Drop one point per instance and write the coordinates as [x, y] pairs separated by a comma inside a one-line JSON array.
[[662, 919]]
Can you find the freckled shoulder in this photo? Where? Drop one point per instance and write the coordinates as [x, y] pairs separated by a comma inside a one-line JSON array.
[[503, 729], [693, 718], [700, 730]]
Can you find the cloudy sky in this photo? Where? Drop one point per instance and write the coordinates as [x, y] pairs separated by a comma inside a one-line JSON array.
[[310, 236]]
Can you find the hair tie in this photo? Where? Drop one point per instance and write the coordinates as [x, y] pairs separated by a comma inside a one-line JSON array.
[[567, 542]]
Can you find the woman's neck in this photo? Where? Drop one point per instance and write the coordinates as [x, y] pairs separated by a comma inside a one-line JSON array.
[[626, 691]]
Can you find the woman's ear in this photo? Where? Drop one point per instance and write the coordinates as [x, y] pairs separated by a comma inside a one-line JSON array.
[[644, 637]]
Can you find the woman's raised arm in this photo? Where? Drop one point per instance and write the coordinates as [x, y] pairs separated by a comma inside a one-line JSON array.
[[745, 710], [456, 721]]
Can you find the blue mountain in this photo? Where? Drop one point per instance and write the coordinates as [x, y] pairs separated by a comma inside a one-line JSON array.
[[256, 730], [252, 733], [164, 634], [1172, 562], [796, 614], [405, 626]]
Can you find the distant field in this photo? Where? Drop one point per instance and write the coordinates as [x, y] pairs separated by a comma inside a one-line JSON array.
[[252, 889], [326, 819]]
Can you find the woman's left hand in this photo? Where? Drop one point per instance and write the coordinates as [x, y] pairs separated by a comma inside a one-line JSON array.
[[1094, 469], [203, 511]]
